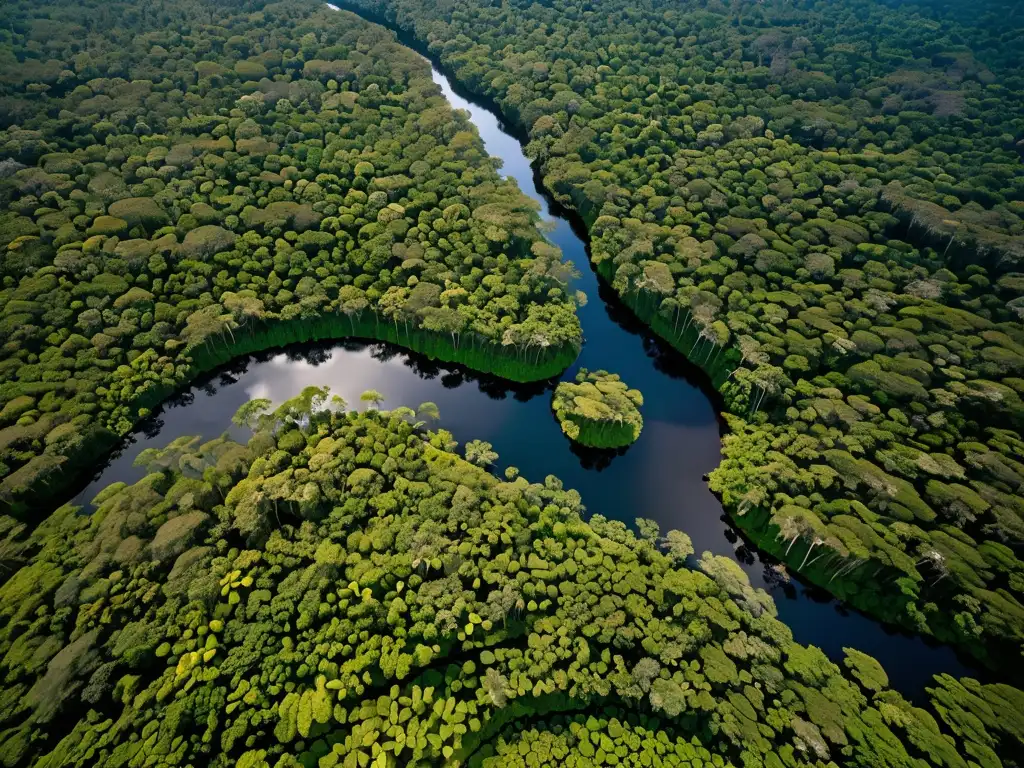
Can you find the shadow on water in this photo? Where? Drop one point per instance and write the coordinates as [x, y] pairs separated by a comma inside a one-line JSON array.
[[660, 477]]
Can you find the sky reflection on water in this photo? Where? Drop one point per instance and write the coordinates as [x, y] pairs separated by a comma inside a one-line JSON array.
[[660, 477]]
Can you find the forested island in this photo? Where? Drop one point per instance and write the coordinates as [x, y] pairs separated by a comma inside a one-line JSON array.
[[818, 203], [599, 410], [821, 204]]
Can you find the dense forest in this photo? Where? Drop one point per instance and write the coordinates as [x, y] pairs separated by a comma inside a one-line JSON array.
[[822, 204], [210, 179], [346, 590], [819, 203]]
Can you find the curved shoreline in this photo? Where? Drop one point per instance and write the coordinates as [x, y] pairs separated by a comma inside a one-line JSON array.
[[274, 336], [809, 611], [716, 375]]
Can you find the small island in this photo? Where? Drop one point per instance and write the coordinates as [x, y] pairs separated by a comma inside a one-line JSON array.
[[599, 410]]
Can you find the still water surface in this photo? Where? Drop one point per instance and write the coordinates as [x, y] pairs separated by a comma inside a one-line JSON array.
[[660, 477]]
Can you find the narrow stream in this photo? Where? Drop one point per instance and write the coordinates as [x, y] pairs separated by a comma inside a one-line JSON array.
[[660, 477]]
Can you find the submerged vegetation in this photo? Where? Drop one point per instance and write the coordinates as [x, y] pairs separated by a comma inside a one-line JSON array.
[[599, 410], [185, 182], [822, 204], [345, 590]]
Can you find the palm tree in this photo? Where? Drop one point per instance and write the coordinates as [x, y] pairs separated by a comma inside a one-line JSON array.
[[373, 397]]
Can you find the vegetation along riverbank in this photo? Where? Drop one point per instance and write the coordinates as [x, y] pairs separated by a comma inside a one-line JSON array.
[[833, 228], [819, 203], [171, 202], [345, 589]]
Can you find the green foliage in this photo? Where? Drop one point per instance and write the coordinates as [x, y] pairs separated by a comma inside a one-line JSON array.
[[822, 205], [599, 410], [342, 592], [182, 183], [866, 670]]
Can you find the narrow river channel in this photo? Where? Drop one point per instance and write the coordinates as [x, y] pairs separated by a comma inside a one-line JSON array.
[[660, 477]]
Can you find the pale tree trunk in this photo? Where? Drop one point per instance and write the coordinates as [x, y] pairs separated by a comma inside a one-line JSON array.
[[810, 549]]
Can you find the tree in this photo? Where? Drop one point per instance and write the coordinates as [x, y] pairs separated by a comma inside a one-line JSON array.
[[678, 545], [428, 410], [373, 397], [252, 414], [495, 685], [480, 453], [203, 325], [648, 529]]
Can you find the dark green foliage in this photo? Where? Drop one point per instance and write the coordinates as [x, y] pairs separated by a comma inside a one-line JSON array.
[[182, 183], [822, 205]]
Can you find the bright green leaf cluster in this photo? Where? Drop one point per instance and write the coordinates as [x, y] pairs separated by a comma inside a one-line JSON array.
[[346, 591], [599, 410]]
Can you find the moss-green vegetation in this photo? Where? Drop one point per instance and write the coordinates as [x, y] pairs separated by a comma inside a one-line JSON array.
[[183, 182], [599, 410], [822, 204], [345, 590]]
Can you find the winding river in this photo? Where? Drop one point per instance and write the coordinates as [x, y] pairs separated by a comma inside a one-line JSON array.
[[659, 477]]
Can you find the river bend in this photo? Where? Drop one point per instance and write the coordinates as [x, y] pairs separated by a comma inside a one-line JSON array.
[[660, 477]]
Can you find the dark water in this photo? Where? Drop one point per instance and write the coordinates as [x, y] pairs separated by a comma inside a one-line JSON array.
[[659, 477]]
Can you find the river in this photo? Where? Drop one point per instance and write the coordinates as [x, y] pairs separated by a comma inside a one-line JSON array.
[[660, 477]]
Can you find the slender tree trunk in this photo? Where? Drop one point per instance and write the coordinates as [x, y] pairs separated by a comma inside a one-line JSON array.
[[810, 549], [738, 366], [761, 398], [821, 555], [849, 568], [951, 238]]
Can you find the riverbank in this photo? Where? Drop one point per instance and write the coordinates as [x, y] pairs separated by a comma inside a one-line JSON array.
[[743, 395], [660, 477], [45, 484]]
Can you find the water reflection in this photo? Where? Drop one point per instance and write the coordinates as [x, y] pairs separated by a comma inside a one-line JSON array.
[[660, 477], [668, 463]]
